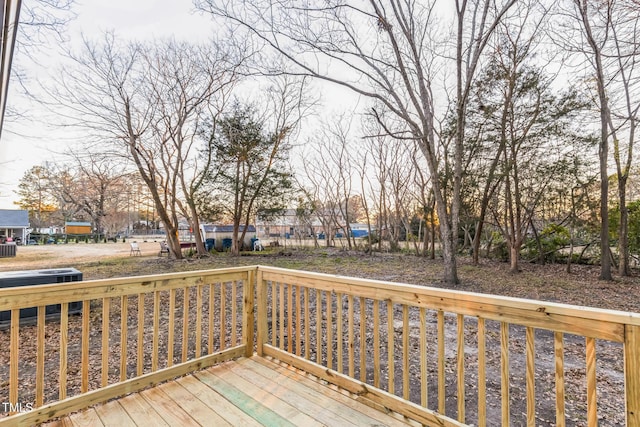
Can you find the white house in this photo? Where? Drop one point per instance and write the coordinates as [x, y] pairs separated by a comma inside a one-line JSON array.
[[14, 223]]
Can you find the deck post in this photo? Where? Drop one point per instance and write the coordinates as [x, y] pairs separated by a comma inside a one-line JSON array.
[[261, 312], [248, 312], [632, 374]]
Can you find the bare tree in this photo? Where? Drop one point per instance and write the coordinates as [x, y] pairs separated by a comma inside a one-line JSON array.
[[42, 22], [150, 101], [593, 18], [381, 49], [622, 62], [320, 184], [94, 187]]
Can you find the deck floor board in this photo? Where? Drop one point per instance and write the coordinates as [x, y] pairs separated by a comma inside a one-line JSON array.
[[249, 392]]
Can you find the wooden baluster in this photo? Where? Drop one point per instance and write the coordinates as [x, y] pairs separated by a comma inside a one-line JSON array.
[[170, 332], [64, 341], [298, 320], [140, 364], [281, 310], [14, 354], [290, 318], [391, 347], [84, 357], [424, 391], [185, 323], [156, 332], [376, 343], [350, 336], [124, 315], [405, 352], [40, 356], [460, 368], [329, 331], [339, 333], [592, 408], [482, 373], [212, 289], [558, 345], [307, 326], [363, 340], [199, 321], [441, 361], [531, 377], [223, 316], [274, 315], [106, 306], [234, 313], [318, 327], [504, 373]]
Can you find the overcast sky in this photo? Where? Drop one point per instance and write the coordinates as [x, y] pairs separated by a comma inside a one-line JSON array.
[[28, 143]]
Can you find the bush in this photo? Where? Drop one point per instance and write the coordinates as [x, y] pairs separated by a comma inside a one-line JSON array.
[[552, 238]]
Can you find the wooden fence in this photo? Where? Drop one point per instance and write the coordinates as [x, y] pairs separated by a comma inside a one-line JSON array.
[[439, 357]]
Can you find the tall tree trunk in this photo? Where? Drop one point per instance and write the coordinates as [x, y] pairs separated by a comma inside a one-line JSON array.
[[605, 259], [514, 258], [623, 229], [603, 149]]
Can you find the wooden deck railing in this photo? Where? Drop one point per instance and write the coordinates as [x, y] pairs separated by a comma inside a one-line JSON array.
[[132, 333], [439, 357]]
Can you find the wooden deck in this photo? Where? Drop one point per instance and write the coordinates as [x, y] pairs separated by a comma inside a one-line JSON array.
[[248, 392]]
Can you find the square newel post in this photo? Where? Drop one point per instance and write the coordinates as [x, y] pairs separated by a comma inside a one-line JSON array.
[[262, 325], [632, 374], [248, 313]]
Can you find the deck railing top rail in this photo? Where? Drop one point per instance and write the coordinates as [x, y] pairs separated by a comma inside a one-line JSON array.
[[29, 296], [494, 307]]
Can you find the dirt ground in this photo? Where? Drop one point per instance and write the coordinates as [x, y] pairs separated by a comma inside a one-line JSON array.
[[547, 283], [35, 257]]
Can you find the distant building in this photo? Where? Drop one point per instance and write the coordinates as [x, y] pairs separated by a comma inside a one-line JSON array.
[[222, 235], [14, 223], [290, 225], [72, 227]]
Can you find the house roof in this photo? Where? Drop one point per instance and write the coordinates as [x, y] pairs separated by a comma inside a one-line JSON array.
[[14, 218]]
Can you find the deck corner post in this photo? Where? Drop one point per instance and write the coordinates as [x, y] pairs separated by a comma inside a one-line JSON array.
[[632, 374], [262, 333], [248, 313]]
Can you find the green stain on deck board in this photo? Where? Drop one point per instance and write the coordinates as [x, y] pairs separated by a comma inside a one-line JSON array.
[[245, 403]]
